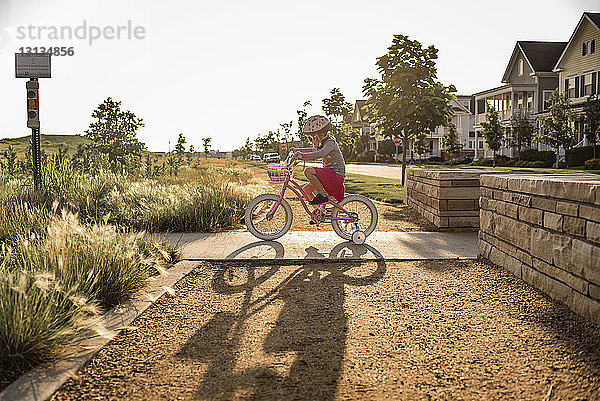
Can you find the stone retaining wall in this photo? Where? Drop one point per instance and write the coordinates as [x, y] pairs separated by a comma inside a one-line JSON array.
[[546, 230], [447, 198]]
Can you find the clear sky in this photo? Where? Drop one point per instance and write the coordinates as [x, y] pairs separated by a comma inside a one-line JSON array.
[[234, 69]]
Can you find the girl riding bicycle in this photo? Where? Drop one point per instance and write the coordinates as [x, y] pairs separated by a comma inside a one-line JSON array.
[[329, 179]]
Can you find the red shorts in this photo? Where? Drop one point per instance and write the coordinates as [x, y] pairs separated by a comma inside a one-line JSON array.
[[333, 183]]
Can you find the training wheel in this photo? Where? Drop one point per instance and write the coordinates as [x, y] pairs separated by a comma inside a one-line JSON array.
[[359, 237]]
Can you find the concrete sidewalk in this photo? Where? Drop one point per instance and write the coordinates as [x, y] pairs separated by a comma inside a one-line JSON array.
[[311, 245]]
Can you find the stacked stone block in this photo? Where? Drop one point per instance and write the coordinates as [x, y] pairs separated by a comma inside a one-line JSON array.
[[447, 198], [546, 230]]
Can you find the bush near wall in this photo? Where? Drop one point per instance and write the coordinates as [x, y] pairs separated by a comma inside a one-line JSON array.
[[592, 164], [578, 156], [533, 155]]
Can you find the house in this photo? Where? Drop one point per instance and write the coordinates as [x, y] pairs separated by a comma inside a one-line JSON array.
[[529, 80], [463, 119], [362, 120], [578, 67]]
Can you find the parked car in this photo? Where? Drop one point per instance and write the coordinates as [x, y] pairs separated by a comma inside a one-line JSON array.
[[271, 158], [254, 157]]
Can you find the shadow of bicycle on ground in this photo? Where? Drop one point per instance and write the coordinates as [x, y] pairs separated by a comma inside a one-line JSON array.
[[301, 355], [273, 250]]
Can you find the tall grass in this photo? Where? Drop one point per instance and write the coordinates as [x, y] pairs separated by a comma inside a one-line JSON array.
[[78, 247]]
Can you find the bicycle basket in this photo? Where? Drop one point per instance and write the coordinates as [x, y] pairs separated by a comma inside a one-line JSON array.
[[276, 172]]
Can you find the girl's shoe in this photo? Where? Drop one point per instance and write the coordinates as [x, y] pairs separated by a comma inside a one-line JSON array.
[[319, 200]]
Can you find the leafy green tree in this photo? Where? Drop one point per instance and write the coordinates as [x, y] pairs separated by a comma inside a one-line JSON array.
[[493, 132], [337, 109], [206, 144], [113, 133], [421, 144], [451, 141], [386, 148], [11, 160], [302, 114], [522, 130], [591, 113], [287, 136], [267, 143], [180, 146], [556, 126], [408, 99]]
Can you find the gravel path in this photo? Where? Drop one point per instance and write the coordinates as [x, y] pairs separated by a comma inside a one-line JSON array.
[[409, 330]]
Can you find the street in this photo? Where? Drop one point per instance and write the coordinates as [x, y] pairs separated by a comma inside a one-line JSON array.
[[374, 170]]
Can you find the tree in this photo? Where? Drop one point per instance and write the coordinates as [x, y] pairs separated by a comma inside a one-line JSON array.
[[337, 109], [591, 113], [287, 137], [556, 130], [206, 145], [522, 129], [180, 146], [408, 99], [493, 131], [421, 144], [451, 141], [11, 160], [191, 153], [386, 148], [114, 133], [302, 114]]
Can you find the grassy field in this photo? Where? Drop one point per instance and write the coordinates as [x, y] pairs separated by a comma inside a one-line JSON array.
[[49, 144], [78, 247]]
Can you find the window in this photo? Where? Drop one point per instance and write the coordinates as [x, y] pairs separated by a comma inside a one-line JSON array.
[[589, 47], [480, 144], [471, 134], [572, 87], [547, 95], [431, 146], [470, 144], [367, 130], [530, 100], [372, 146], [458, 120], [587, 84], [520, 100], [520, 66]]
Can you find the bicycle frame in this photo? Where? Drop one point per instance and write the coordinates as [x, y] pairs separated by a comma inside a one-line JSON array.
[[297, 189]]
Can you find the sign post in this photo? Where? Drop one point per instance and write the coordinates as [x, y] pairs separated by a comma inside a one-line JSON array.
[[34, 66], [397, 141]]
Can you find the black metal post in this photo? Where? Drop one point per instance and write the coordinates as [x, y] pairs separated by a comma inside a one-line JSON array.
[[37, 162], [36, 152]]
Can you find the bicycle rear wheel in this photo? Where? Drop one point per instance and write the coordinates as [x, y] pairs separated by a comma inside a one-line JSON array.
[[364, 213], [263, 227]]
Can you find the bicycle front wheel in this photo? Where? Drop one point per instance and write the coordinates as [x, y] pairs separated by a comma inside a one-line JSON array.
[[364, 215], [263, 227]]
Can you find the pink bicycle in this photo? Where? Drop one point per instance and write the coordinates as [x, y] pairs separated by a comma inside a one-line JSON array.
[[269, 216]]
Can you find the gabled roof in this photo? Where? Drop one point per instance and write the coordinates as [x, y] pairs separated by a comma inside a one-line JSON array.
[[540, 56], [594, 19], [360, 105]]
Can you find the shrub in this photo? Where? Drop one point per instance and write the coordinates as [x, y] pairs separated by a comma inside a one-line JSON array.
[[578, 156], [592, 164], [532, 155], [501, 160]]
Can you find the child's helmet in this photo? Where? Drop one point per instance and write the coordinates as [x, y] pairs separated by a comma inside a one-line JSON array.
[[315, 124]]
